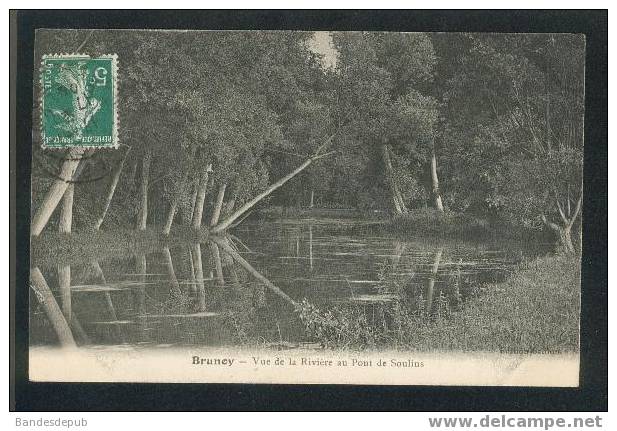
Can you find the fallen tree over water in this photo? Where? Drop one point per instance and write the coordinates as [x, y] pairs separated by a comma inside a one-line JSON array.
[[250, 204]]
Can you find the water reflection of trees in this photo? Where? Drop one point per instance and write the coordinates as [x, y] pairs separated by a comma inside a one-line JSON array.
[[214, 295], [404, 303], [215, 284]]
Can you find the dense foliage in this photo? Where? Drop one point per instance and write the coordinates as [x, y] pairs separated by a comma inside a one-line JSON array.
[[490, 125]]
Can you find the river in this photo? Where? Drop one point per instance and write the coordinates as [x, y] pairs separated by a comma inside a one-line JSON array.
[[287, 273]]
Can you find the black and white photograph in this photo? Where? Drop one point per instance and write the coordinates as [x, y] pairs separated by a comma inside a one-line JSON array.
[[306, 207]]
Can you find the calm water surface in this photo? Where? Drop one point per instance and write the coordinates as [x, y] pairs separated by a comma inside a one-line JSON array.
[[201, 294]]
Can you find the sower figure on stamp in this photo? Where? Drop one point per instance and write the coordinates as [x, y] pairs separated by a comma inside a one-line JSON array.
[[74, 79]]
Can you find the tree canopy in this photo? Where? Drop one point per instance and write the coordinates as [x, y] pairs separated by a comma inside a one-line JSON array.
[[489, 124]]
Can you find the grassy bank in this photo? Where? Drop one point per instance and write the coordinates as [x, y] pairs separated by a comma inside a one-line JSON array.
[[279, 212], [54, 247], [535, 310], [460, 225]]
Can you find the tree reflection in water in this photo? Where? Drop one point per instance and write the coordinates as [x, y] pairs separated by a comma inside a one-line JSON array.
[[334, 291]]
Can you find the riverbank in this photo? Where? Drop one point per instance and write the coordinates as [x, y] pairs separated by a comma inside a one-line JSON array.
[[415, 223], [428, 222], [535, 310]]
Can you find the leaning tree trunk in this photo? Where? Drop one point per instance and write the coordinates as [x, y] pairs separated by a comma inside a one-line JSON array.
[[142, 215], [66, 211], [240, 260], [229, 206], [173, 207], [52, 310], [435, 183], [248, 205], [173, 280], [170, 216], [218, 206], [56, 191], [200, 199], [397, 191], [397, 200], [110, 305], [195, 187], [115, 178]]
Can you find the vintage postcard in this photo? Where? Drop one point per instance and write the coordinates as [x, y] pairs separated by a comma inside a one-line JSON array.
[[300, 207]]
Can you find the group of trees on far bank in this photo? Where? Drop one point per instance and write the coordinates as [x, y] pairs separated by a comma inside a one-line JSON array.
[[211, 122]]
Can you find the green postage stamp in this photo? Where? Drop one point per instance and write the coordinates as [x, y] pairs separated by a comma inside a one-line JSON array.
[[78, 101]]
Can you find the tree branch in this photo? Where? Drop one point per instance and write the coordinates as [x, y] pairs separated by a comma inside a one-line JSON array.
[[561, 213], [81, 46], [550, 224], [248, 205], [577, 208]]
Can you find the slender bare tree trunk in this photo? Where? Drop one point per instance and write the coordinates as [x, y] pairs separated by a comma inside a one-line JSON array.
[[199, 277], [566, 238], [201, 198], [55, 316], [66, 210], [430, 290], [218, 206], [175, 201], [115, 178], [64, 283], [173, 280], [248, 205], [216, 257], [397, 200], [170, 216], [563, 231], [142, 216], [193, 200], [56, 191], [312, 203], [397, 191], [435, 183]]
